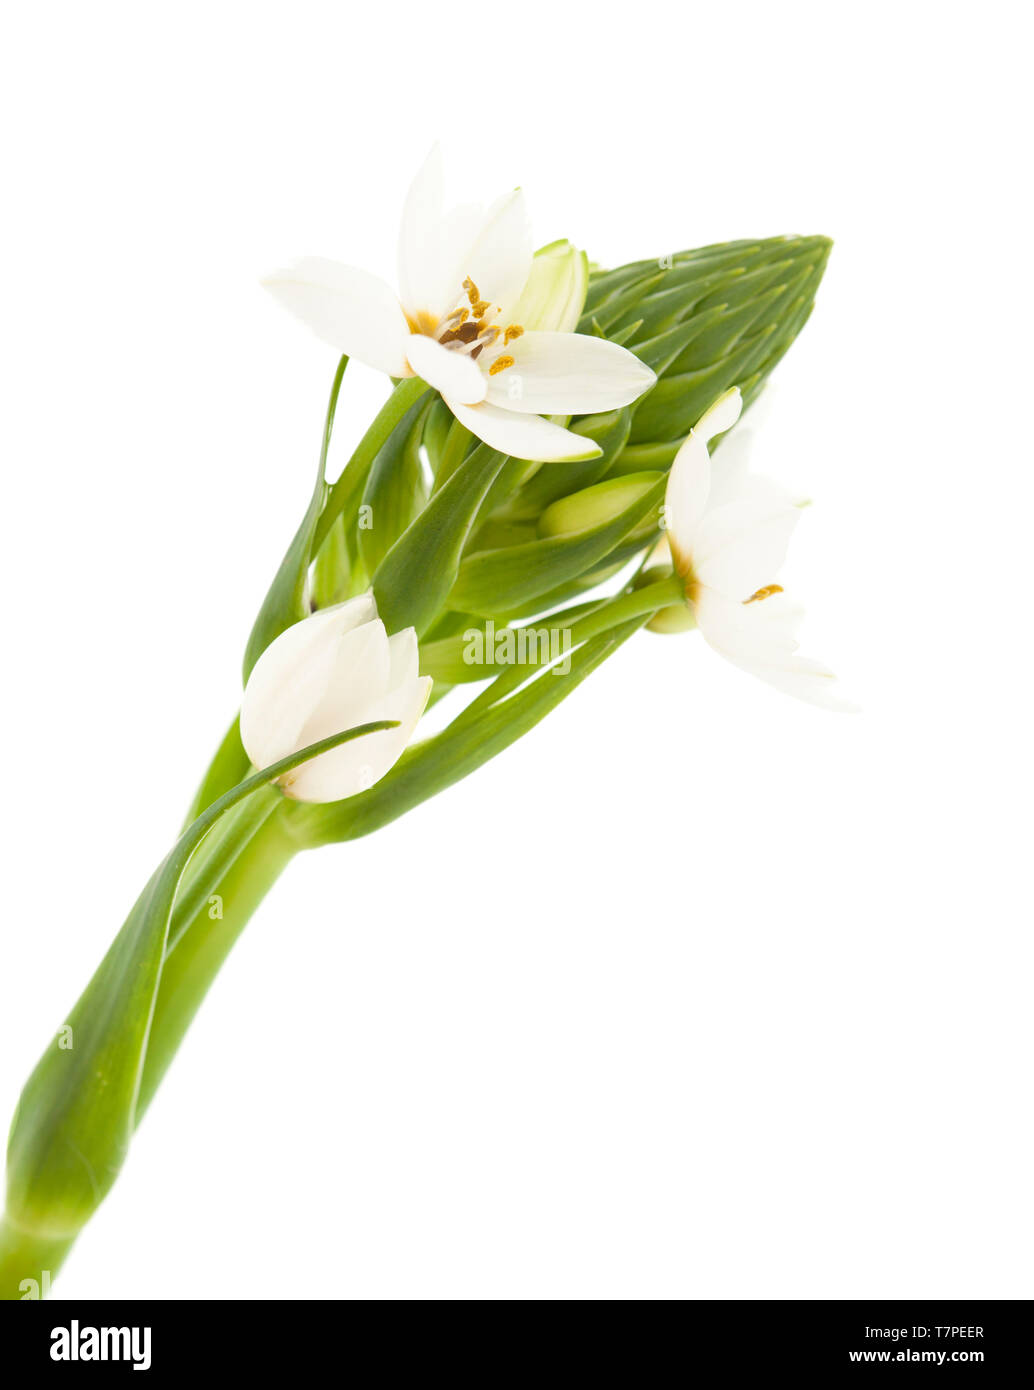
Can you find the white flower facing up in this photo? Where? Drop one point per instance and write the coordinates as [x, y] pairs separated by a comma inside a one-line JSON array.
[[728, 533], [330, 672], [455, 323]]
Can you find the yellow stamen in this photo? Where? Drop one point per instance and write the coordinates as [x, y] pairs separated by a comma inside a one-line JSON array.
[[500, 364], [766, 592], [514, 331]]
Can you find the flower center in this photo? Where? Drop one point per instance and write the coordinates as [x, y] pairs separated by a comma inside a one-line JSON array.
[[470, 329]]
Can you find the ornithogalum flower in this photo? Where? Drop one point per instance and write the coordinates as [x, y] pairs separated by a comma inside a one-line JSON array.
[[333, 671], [728, 532], [455, 322]]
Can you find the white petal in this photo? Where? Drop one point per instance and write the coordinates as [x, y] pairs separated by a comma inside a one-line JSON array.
[[568, 374], [686, 497], [355, 312], [499, 261], [359, 675], [721, 416], [523, 436], [810, 681], [731, 467], [760, 638], [554, 295], [740, 548], [762, 491], [356, 766], [290, 677], [749, 634], [452, 373], [418, 234], [405, 658]]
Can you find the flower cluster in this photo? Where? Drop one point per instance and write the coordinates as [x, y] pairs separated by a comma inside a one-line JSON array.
[[497, 525], [467, 322]]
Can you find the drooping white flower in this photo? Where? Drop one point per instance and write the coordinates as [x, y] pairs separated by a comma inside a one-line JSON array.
[[333, 671], [728, 532], [454, 323]]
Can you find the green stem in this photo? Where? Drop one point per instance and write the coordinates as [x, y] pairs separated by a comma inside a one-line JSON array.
[[624, 608], [69, 1136], [28, 1262], [225, 883], [405, 394]]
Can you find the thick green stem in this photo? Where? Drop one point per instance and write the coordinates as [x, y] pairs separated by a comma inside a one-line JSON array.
[[229, 875], [28, 1262], [228, 878]]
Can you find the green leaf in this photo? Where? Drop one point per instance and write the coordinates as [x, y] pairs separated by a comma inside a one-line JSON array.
[[285, 603], [413, 581], [395, 491], [229, 766], [345, 493], [333, 570], [76, 1113]]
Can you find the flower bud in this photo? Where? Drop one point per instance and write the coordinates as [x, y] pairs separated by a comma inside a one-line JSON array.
[[596, 505], [333, 671], [554, 293]]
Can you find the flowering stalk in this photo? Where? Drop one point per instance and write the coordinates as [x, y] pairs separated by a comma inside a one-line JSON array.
[[498, 524]]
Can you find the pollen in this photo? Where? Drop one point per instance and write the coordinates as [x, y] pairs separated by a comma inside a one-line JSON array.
[[478, 306], [514, 331], [500, 364], [766, 592]]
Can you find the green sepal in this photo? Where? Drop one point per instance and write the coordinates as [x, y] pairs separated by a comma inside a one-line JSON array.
[[415, 577], [712, 318]]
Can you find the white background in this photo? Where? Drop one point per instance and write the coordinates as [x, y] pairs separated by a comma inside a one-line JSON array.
[[696, 992]]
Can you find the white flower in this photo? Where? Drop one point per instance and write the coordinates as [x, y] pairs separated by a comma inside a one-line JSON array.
[[454, 323], [728, 533], [330, 672]]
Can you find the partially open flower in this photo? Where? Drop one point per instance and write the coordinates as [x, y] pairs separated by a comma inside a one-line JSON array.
[[334, 671], [456, 322], [728, 533], [554, 294]]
